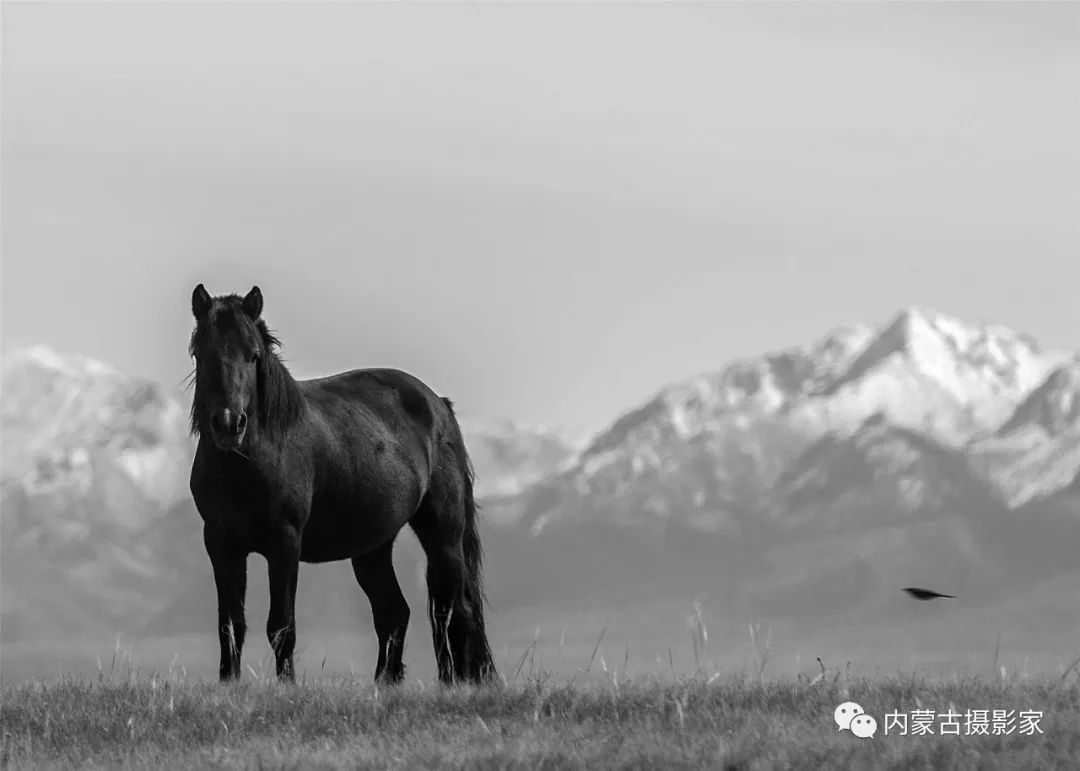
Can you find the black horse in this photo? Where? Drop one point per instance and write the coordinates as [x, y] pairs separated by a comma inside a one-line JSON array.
[[324, 470]]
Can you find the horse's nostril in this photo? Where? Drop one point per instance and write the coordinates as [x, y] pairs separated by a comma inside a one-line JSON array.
[[241, 423]]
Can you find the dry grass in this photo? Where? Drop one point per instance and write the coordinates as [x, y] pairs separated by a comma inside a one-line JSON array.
[[601, 717], [135, 720]]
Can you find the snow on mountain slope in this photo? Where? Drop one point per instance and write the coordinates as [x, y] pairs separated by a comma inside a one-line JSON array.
[[701, 450], [881, 474], [1053, 407], [762, 385], [1036, 452], [706, 482], [75, 428], [509, 456]]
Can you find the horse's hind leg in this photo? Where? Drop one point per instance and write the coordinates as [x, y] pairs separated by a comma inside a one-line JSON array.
[[447, 613], [389, 610], [453, 625]]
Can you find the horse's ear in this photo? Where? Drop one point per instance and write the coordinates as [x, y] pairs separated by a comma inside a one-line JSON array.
[[200, 301], [253, 303]]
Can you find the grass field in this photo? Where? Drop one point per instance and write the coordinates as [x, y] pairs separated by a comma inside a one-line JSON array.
[[595, 721], [577, 696]]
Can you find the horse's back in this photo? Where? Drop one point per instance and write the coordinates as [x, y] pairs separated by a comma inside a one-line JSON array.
[[365, 408], [390, 394]]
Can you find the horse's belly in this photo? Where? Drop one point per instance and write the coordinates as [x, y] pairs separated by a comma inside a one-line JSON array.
[[355, 510], [342, 533]]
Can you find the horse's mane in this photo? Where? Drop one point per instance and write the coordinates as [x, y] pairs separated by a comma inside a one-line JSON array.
[[279, 400]]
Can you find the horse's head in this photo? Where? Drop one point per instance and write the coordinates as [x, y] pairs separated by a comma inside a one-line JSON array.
[[227, 345]]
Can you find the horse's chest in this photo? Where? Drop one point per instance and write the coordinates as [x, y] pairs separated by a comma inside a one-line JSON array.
[[255, 528], [253, 515]]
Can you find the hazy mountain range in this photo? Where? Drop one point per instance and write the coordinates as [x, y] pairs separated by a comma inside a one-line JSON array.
[[811, 480]]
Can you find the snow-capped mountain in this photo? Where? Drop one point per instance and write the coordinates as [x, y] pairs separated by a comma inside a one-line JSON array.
[[709, 449], [841, 469], [933, 373]]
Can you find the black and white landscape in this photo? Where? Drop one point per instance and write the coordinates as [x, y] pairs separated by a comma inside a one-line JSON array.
[[759, 321], [804, 487]]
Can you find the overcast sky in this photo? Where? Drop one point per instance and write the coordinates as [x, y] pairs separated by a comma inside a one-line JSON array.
[[546, 211]]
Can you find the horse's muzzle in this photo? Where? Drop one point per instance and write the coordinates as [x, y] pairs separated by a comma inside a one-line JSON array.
[[228, 428]]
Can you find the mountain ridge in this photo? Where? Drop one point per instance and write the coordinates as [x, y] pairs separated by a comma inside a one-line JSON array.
[[781, 402], [878, 450]]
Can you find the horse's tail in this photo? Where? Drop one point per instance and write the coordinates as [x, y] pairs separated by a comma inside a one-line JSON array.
[[483, 661]]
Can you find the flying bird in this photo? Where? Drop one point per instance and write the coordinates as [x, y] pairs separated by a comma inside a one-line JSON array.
[[925, 594]]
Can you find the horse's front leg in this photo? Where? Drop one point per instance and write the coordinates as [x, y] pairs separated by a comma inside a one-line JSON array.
[[284, 565], [230, 576]]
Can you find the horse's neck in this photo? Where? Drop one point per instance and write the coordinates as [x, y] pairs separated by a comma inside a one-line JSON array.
[[282, 400]]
